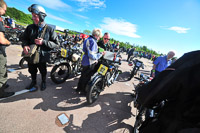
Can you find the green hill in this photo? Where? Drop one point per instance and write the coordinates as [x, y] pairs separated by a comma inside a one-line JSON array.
[[19, 16]]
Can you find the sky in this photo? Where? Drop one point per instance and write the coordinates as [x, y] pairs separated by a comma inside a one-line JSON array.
[[161, 25]]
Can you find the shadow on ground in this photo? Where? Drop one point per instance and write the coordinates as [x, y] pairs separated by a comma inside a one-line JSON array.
[[115, 108]]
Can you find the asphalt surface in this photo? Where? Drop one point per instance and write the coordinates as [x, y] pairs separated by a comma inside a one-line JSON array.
[[35, 112]]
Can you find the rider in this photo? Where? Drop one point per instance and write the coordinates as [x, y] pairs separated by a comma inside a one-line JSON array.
[[130, 53], [89, 59], [32, 36], [161, 63], [105, 44]]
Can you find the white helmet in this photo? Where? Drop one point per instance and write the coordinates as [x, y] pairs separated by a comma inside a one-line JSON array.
[[39, 10]]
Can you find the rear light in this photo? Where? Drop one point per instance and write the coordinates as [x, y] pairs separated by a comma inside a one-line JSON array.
[[130, 64]]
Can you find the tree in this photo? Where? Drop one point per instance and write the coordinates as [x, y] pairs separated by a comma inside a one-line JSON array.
[[87, 32]]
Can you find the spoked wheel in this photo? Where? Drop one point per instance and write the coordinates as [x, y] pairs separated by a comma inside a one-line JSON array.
[[94, 91], [60, 73], [23, 63]]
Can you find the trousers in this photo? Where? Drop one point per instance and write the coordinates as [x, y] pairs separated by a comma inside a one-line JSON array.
[[3, 70], [33, 69]]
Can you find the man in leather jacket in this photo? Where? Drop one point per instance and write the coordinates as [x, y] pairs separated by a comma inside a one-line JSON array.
[[32, 36], [105, 44]]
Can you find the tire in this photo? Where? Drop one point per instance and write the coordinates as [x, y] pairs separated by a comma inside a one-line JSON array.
[[60, 73], [94, 91], [132, 73], [23, 63], [79, 66]]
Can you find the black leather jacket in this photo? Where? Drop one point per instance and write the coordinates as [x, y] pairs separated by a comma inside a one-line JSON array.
[[50, 40]]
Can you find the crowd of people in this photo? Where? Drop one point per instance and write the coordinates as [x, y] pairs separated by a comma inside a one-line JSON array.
[[44, 37]]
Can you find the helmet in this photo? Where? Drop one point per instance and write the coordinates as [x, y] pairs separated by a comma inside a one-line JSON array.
[[37, 9]]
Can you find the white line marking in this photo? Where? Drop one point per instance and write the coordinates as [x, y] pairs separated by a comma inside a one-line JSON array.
[[16, 93]]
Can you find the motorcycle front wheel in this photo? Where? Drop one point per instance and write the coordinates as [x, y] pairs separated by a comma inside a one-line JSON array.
[[94, 91], [23, 63], [132, 73], [60, 73]]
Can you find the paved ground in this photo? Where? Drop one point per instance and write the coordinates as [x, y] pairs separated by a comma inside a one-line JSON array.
[[35, 112]]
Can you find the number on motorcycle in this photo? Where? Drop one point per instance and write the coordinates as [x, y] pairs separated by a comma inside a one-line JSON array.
[[102, 69], [63, 52]]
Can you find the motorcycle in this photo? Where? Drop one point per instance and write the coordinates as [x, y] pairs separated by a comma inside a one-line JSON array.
[[67, 62], [105, 76], [137, 65], [142, 113], [14, 34]]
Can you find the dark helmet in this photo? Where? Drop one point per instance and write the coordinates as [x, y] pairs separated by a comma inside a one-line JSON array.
[[39, 10]]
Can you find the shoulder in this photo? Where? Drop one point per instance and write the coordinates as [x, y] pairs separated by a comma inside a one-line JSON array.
[[50, 28], [31, 26]]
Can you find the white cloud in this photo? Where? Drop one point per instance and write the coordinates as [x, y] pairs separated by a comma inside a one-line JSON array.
[[120, 27], [58, 18], [179, 29], [86, 4], [54, 4], [80, 16]]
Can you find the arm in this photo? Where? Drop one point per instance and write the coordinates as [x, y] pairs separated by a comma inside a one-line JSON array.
[[91, 53], [3, 40], [155, 63], [25, 41]]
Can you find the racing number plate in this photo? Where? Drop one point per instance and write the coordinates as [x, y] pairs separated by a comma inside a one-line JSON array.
[[63, 52], [102, 69], [138, 64]]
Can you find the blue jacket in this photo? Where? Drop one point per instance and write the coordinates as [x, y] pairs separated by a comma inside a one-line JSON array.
[[162, 63], [90, 48]]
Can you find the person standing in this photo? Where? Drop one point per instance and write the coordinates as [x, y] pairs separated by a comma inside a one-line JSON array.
[[89, 60], [32, 36], [105, 44], [130, 53], [161, 63], [3, 61]]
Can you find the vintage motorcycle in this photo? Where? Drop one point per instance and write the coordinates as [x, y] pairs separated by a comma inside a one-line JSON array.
[[142, 113], [67, 62], [137, 65], [105, 76]]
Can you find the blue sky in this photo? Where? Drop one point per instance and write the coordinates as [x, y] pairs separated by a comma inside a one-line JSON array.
[[162, 25]]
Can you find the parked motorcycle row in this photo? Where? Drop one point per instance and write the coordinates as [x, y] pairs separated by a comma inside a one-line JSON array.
[[14, 34], [66, 61]]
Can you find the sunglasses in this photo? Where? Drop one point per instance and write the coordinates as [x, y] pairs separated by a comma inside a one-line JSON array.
[[106, 39]]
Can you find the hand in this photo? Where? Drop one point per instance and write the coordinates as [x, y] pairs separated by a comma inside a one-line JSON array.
[[26, 49], [104, 52], [38, 41], [153, 74]]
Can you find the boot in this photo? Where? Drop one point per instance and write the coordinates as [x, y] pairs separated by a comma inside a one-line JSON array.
[[5, 86], [43, 86], [33, 83]]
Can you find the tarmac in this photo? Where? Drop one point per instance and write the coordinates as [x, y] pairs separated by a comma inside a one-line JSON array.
[[36, 112]]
